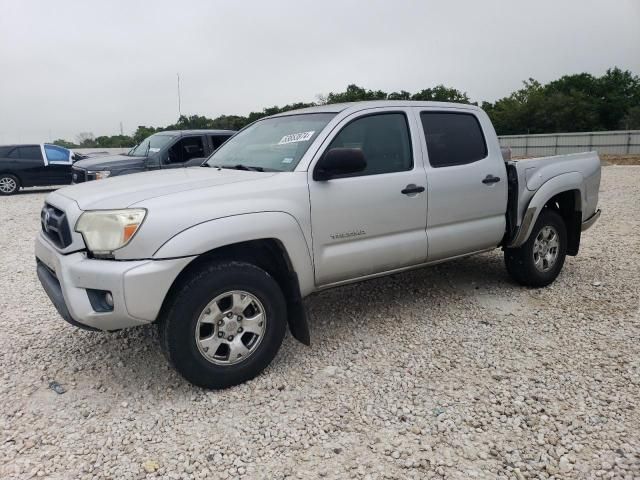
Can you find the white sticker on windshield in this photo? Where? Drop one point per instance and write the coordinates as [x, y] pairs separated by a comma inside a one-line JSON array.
[[287, 160], [296, 137], [154, 150]]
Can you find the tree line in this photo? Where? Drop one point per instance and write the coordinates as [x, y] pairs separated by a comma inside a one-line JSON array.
[[572, 103]]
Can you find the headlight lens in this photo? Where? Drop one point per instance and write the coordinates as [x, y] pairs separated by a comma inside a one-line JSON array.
[[100, 174], [107, 230]]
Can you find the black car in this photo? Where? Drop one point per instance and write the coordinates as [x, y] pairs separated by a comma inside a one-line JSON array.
[[34, 165], [170, 149]]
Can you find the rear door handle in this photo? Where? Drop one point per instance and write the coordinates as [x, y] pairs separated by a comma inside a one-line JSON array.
[[489, 179], [412, 189]]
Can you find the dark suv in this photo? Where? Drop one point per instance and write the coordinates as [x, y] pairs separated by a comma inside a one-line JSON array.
[[170, 149], [34, 165]]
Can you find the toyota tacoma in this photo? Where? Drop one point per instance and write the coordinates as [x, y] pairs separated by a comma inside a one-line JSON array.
[[220, 256]]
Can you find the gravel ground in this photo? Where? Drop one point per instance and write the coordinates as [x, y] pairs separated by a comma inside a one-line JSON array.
[[450, 372]]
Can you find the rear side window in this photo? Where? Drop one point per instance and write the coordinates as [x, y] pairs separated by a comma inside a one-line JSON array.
[[453, 138], [383, 139], [30, 153], [56, 154]]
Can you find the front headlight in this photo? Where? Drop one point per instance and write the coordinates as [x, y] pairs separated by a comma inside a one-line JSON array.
[[107, 230], [100, 174]]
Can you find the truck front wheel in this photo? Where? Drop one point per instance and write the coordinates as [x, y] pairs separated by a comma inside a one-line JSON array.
[[224, 325], [539, 260]]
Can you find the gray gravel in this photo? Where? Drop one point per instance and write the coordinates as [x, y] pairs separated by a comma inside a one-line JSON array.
[[450, 372]]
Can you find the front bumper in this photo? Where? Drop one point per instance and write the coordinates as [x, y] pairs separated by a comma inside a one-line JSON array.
[[138, 287], [588, 223]]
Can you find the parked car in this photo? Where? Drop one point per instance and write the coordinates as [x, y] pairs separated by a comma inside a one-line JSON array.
[[33, 165], [221, 256], [170, 149]]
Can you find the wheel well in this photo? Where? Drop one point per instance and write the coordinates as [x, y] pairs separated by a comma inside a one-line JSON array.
[[569, 205], [268, 254], [7, 172]]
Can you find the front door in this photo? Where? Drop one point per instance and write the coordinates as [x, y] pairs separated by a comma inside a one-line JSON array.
[[185, 149], [373, 221], [58, 164]]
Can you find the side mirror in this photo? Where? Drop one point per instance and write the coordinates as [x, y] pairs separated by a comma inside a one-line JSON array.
[[339, 161]]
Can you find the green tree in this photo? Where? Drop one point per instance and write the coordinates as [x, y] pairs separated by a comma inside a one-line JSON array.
[[631, 121], [577, 102], [401, 95], [354, 93], [64, 143], [143, 132], [440, 93]]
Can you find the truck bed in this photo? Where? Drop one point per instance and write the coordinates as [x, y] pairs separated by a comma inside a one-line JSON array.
[[526, 177]]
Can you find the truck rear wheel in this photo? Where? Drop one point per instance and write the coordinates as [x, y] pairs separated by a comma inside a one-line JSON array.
[[539, 260], [9, 184], [224, 325]]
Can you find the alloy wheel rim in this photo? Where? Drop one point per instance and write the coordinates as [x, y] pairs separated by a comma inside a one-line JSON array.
[[231, 327], [7, 184], [546, 248]]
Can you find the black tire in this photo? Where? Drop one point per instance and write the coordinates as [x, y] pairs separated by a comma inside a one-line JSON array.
[[8, 179], [179, 319], [520, 261]]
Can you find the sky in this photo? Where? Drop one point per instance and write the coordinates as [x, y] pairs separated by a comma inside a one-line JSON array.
[[71, 66]]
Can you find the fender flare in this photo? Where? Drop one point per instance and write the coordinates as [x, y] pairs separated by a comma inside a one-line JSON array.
[[221, 232], [552, 187]]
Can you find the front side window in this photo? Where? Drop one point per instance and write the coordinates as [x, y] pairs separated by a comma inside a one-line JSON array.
[[30, 153], [453, 138], [384, 141], [274, 144], [151, 144], [57, 154], [217, 140], [186, 149]]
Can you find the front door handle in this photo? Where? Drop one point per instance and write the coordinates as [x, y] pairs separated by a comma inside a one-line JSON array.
[[412, 189], [489, 179]]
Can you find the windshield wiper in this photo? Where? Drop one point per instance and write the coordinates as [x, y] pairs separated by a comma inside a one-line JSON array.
[[240, 166]]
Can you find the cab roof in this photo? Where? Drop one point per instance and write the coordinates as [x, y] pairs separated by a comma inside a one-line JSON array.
[[357, 106]]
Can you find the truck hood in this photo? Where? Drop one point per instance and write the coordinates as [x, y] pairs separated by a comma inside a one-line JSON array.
[[127, 190], [109, 162]]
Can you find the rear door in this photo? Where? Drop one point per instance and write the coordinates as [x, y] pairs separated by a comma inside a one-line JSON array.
[[58, 164], [363, 224], [467, 182]]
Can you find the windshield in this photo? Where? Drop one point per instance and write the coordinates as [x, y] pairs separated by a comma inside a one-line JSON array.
[[274, 144], [151, 144]]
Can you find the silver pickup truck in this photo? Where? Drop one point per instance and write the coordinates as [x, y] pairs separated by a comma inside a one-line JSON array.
[[221, 256]]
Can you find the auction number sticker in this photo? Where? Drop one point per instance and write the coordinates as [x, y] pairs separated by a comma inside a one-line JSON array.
[[296, 137]]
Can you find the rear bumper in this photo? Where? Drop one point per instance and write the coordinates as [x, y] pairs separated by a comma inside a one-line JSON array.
[[138, 287], [588, 223]]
